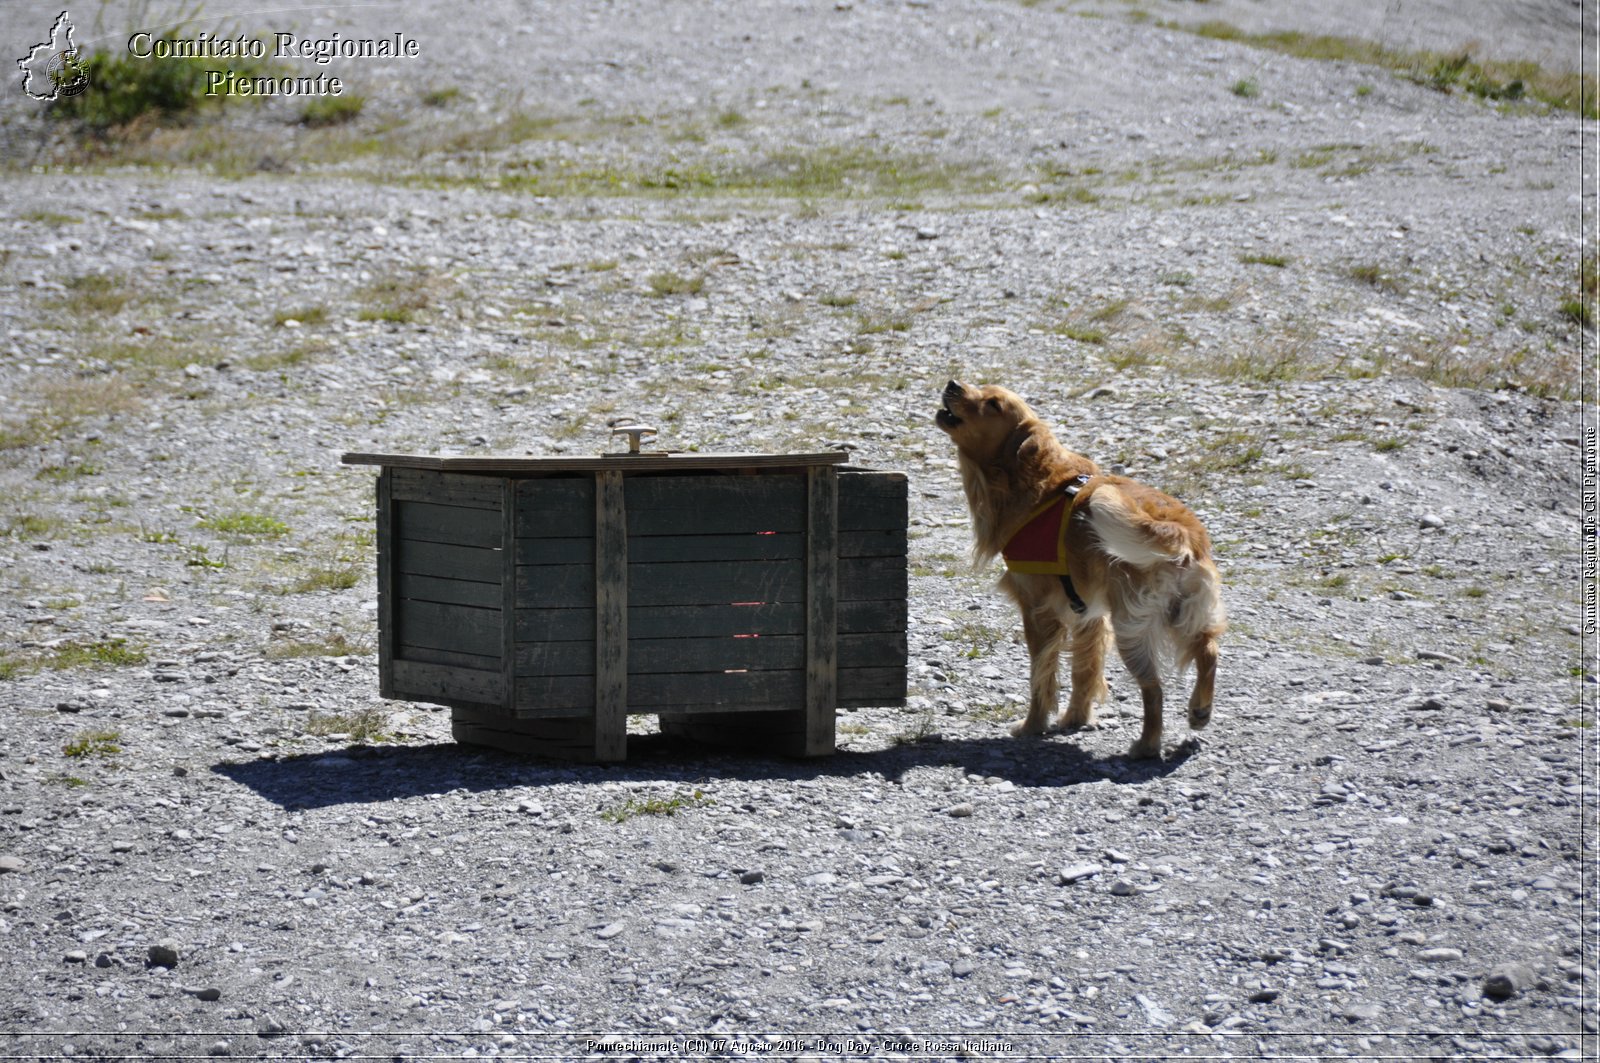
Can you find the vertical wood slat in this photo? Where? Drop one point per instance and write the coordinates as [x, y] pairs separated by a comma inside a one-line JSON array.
[[610, 618], [822, 593], [508, 589], [386, 557]]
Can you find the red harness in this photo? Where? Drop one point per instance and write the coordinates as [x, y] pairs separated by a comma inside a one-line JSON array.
[[1039, 547]]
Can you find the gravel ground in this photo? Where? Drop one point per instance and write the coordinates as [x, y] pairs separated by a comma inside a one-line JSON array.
[[1328, 314]]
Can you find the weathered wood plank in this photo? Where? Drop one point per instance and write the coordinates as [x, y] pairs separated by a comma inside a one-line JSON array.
[[441, 626], [555, 625], [647, 462], [872, 578], [429, 655], [785, 618], [748, 546], [713, 654], [873, 615], [822, 588], [709, 582], [449, 561], [612, 577], [386, 610], [746, 691], [874, 542], [508, 591], [447, 488], [568, 739], [425, 682], [716, 505], [556, 508], [872, 686], [447, 591], [872, 500], [430, 522]]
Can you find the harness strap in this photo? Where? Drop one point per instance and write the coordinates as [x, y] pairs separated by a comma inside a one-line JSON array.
[[1071, 489]]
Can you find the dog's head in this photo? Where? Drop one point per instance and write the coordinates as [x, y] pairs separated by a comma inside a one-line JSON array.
[[989, 425]]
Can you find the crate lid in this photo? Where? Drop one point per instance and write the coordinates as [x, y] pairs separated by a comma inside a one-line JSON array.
[[659, 461]]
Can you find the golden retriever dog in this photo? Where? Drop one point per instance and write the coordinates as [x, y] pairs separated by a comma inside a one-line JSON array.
[[1090, 558]]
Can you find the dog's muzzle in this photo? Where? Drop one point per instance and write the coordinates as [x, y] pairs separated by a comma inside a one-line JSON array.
[[946, 417]]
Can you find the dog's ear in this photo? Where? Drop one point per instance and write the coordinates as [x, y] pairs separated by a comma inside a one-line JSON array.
[[1020, 444]]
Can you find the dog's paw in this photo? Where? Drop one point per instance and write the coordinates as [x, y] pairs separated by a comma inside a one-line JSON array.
[[1081, 722], [1199, 716], [1142, 750], [1025, 729]]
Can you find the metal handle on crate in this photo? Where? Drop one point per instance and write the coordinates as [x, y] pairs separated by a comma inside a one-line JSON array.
[[633, 430]]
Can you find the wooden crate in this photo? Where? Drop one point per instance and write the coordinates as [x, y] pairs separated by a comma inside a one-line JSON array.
[[739, 597]]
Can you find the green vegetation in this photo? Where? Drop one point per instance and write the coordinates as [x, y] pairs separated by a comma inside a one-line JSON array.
[[304, 315], [336, 644], [399, 298], [1081, 334], [1377, 277], [655, 806], [667, 283], [128, 92], [113, 652], [332, 110], [93, 743], [1257, 259], [440, 97], [367, 724], [1486, 78], [1246, 88], [246, 526], [66, 473], [95, 293]]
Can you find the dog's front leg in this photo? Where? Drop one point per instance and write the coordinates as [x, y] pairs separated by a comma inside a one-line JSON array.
[[1043, 633]]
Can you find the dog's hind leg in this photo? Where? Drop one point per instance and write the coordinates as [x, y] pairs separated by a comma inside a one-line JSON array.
[[1088, 673], [1143, 663], [1044, 635], [1203, 652]]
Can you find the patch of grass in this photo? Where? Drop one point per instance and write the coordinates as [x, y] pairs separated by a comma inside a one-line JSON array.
[[1578, 311], [1374, 275], [200, 557], [366, 724], [336, 644], [326, 111], [441, 97], [1253, 258], [1246, 88], [836, 299], [668, 283], [1081, 333], [1388, 444], [53, 218], [93, 743], [303, 315], [876, 324], [1179, 279], [68, 472], [1486, 78], [245, 526], [133, 94], [102, 653], [96, 293], [400, 297], [655, 806]]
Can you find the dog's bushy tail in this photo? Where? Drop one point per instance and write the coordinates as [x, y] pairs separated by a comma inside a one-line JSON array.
[[1132, 537]]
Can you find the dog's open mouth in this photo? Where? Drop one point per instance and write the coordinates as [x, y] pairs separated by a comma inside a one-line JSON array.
[[946, 417]]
